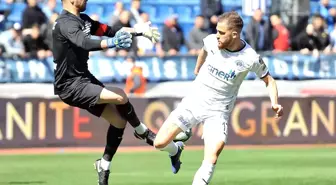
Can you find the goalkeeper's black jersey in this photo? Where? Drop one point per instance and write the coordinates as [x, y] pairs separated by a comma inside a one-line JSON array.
[[71, 46]]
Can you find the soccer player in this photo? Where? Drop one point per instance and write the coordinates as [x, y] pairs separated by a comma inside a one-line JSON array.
[[77, 87], [221, 67]]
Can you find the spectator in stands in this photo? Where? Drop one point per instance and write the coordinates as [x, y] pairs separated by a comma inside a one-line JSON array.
[[145, 46], [211, 9], [320, 32], [333, 39], [48, 31], [95, 17], [196, 35], [280, 34], [307, 42], [124, 21], [6, 8], [33, 15], [118, 8], [7, 4], [49, 8], [257, 32], [35, 46], [327, 12], [3, 15], [172, 36], [11, 42], [135, 82], [136, 12]]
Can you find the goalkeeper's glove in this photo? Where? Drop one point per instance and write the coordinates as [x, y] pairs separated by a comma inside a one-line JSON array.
[[145, 29], [121, 40]]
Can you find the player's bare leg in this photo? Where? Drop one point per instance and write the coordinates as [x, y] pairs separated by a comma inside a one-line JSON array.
[[212, 150], [164, 142], [126, 110], [113, 140]]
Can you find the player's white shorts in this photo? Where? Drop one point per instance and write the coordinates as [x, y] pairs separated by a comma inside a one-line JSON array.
[[215, 123]]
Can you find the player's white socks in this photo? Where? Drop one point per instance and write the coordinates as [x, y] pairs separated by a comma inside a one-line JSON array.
[[171, 148], [204, 174], [105, 165], [141, 128]]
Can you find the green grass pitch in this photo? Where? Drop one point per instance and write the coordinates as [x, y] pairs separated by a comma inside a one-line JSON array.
[[235, 167]]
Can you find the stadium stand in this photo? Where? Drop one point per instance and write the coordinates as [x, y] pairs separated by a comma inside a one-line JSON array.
[[20, 68]]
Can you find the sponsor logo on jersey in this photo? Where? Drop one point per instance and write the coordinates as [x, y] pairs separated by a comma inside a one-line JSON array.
[[240, 65], [221, 74]]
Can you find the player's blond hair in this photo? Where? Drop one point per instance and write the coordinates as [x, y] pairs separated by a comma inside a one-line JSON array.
[[233, 20]]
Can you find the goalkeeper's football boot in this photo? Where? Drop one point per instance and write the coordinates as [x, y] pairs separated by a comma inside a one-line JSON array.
[[103, 175], [148, 136]]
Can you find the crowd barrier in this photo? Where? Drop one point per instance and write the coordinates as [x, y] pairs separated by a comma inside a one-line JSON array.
[[38, 122], [289, 66]]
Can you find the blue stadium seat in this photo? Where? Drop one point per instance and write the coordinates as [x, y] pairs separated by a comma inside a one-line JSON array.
[[18, 7], [151, 10], [196, 10], [171, 2], [160, 27], [127, 6], [108, 10], [104, 19], [164, 12], [14, 17], [183, 49], [246, 20], [16, 13], [94, 1], [4, 6], [163, 2], [95, 9], [107, 1], [231, 8], [59, 8], [184, 12], [332, 3], [186, 27], [239, 11], [313, 7], [233, 3]]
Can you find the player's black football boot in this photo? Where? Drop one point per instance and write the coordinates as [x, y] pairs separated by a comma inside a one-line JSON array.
[[148, 136], [103, 175]]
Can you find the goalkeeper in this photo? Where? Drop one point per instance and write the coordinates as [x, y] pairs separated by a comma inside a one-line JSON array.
[[77, 87]]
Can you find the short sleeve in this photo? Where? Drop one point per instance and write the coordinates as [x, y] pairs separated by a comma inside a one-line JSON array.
[[259, 67], [204, 46], [209, 42]]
